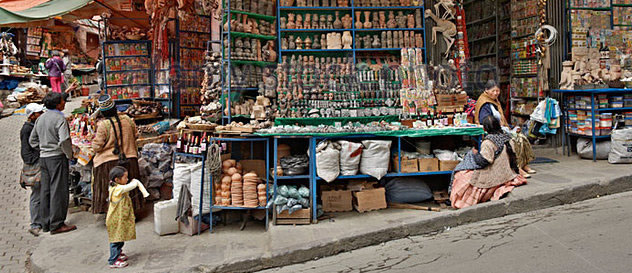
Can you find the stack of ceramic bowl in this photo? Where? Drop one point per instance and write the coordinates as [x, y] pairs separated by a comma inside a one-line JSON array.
[[251, 197]]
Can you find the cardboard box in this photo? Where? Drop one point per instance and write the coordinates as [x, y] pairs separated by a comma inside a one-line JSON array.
[[448, 165], [192, 228], [408, 165], [337, 201], [428, 165], [368, 200], [258, 166]]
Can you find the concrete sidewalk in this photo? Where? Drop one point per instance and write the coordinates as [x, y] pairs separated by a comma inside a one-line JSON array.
[[231, 250]]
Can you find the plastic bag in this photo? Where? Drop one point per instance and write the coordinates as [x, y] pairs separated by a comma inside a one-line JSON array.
[[407, 190], [350, 154], [375, 157], [304, 202], [293, 192], [445, 155], [280, 200], [327, 161], [621, 149], [585, 148], [294, 208], [292, 202], [303, 191], [283, 191]]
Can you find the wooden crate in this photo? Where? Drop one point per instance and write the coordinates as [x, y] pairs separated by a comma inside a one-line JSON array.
[[299, 217]]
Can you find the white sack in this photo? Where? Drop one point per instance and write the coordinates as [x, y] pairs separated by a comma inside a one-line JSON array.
[[327, 161], [196, 180], [375, 157], [181, 175], [621, 148], [350, 154]]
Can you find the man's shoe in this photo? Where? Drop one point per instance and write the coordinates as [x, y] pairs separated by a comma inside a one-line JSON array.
[[63, 228], [35, 231]]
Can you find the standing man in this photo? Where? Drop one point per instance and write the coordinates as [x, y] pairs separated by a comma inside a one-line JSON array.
[[52, 135], [31, 171], [56, 68]]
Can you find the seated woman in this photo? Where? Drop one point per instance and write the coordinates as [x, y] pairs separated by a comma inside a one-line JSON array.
[[488, 174], [488, 105]]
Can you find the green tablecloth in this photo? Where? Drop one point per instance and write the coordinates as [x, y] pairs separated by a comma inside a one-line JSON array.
[[462, 131], [331, 121]]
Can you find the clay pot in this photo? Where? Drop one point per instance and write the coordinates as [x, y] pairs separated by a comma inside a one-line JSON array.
[[367, 21], [358, 23], [337, 22]]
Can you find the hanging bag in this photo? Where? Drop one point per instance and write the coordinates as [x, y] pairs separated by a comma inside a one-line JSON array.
[[30, 175]]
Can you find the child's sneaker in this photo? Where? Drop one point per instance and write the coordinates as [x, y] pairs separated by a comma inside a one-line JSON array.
[[119, 264], [123, 257]]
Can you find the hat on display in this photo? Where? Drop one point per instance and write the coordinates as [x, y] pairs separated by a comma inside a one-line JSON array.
[[32, 108], [105, 103]]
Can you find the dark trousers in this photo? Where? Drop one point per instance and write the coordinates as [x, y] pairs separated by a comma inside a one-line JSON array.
[[115, 251], [54, 191]]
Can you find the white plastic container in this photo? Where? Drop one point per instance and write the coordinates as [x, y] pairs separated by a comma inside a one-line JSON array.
[[165, 217]]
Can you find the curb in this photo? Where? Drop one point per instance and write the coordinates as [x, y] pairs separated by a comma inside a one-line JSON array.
[[480, 212]]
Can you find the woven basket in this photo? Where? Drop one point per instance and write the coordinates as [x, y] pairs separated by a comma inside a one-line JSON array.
[[206, 127]]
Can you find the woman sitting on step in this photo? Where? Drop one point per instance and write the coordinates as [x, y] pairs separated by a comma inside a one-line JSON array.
[[488, 174]]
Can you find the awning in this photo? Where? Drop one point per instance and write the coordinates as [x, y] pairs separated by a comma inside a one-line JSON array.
[[19, 5], [44, 11]]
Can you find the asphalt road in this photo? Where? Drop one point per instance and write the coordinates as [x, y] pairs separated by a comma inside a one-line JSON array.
[[590, 236]]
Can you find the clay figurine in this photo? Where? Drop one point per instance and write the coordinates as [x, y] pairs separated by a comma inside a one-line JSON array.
[[410, 23], [401, 19], [391, 23], [347, 40], [347, 21], [566, 80], [376, 42], [418, 19], [292, 43], [308, 43], [382, 21], [308, 21], [315, 21], [330, 21], [299, 21], [290, 21], [322, 22]]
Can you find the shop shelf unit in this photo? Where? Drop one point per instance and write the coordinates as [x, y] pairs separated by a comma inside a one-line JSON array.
[[183, 68], [353, 52], [396, 148], [151, 81], [566, 135], [516, 92], [266, 158], [306, 177], [107, 72], [227, 35]]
